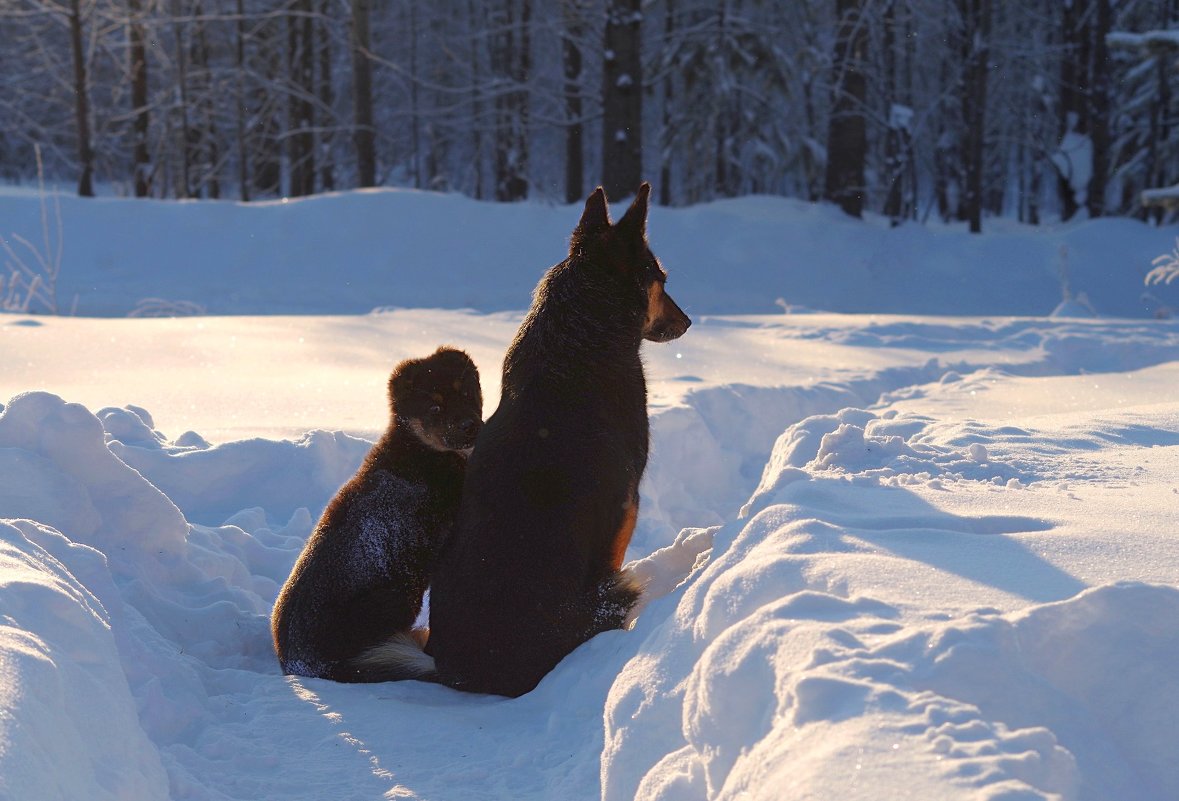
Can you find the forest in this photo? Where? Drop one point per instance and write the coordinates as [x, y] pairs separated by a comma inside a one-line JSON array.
[[958, 110]]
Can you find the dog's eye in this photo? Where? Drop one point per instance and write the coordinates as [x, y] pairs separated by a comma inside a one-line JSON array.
[[434, 410]]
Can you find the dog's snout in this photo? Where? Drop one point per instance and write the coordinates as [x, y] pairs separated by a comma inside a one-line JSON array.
[[672, 326], [469, 427]]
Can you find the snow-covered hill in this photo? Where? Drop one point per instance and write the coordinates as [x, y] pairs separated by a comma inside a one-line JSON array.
[[353, 252]]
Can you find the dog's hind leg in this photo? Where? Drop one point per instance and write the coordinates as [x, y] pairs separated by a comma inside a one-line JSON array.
[[626, 530], [616, 596]]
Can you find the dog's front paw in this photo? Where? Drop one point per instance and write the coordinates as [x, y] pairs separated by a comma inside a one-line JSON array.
[[661, 572]]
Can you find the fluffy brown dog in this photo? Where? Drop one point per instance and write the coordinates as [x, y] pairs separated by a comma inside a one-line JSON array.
[[551, 495], [358, 584]]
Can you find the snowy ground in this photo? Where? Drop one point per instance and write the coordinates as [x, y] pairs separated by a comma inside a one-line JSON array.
[[944, 554]]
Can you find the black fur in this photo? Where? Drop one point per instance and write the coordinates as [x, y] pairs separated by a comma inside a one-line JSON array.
[[360, 579], [551, 495]]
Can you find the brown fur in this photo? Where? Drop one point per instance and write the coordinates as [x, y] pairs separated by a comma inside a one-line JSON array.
[[359, 581]]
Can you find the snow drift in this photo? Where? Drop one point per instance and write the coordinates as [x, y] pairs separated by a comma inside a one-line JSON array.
[[349, 253]]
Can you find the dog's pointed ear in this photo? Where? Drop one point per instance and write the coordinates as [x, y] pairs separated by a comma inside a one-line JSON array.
[[594, 220], [635, 219], [596, 215]]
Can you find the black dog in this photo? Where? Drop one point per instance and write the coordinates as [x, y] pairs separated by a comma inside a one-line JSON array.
[[357, 588], [552, 490]]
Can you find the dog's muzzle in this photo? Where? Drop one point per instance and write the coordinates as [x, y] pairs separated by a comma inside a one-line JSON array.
[[665, 332]]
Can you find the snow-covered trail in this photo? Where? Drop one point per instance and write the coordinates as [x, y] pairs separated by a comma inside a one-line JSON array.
[[944, 564]]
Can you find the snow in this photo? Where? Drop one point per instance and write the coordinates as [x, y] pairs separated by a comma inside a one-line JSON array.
[[1166, 196], [352, 252], [1073, 159], [888, 554], [1161, 40]]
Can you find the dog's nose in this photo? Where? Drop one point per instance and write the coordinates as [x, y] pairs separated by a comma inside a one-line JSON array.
[[673, 329], [469, 428]]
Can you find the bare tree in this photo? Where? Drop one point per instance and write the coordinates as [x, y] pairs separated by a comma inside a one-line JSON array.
[[239, 57], [622, 99], [976, 31], [362, 95], [847, 143], [511, 64], [137, 68], [573, 19], [1073, 116], [1099, 108], [901, 106], [900, 167], [82, 102], [300, 111], [326, 97]]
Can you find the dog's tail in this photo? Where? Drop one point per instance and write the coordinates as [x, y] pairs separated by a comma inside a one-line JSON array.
[[400, 657]]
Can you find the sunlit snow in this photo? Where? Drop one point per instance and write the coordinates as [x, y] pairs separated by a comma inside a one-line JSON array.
[[926, 556]]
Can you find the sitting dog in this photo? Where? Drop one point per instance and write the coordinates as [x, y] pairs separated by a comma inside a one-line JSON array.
[[359, 582], [533, 568]]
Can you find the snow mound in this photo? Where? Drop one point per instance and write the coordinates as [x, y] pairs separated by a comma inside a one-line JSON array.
[[70, 728], [768, 679], [146, 660], [186, 605], [348, 252], [97, 499], [802, 662], [953, 577], [887, 449], [212, 483]]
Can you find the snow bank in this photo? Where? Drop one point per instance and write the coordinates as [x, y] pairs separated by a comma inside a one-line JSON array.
[[179, 676], [187, 605], [803, 660], [818, 695], [69, 728], [212, 483], [351, 252]]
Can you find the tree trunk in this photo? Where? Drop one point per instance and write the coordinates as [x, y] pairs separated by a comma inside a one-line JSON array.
[[571, 60], [300, 112], [1099, 110], [668, 99], [266, 105], [364, 134], [722, 121], [243, 159], [1074, 108], [415, 145], [847, 140], [511, 63], [474, 78], [137, 56], [1156, 167], [622, 99], [893, 165], [209, 139], [976, 18], [327, 169], [184, 189], [81, 102]]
